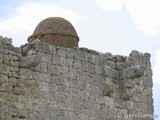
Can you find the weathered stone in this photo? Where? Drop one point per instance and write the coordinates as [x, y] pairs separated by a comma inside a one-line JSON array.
[[1, 39], [128, 84], [69, 62], [72, 83], [25, 49], [111, 73], [63, 61], [133, 72], [127, 94], [26, 73], [109, 101], [98, 69], [120, 66], [119, 58], [46, 48], [39, 46], [97, 79], [13, 74], [1, 48], [3, 78], [31, 52], [31, 61], [3, 87], [22, 114], [52, 49], [55, 59], [134, 53], [109, 56], [108, 90], [147, 56], [80, 65], [44, 67], [7, 41], [13, 111], [54, 70]]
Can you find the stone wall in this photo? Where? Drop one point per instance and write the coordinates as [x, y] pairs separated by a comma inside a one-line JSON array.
[[42, 82]]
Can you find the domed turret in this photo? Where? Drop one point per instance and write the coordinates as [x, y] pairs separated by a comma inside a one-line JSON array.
[[56, 31]]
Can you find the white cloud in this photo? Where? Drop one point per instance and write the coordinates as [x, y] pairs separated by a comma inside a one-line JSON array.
[[156, 68], [25, 18], [109, 5], [144, 13]]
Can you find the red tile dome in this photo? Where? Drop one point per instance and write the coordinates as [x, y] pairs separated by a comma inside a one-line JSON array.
[[56, 31]]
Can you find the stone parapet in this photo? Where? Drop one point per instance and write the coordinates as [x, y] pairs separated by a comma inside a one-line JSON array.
[[40, 81]]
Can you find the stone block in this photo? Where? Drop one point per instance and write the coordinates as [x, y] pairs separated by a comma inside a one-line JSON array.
[[133, 72], [84, 66], [127, 94], [128, 84], [62, 90], [99, 98], [26, 73], [3, 78], [54, 70], [134, 53], [45, 58], [31, 52], [109, 101], [30, 61], [1, 39], [42, 47], [82, 86], [53, 90], [78, 64], [52, 49], [13, 111], [61, 51], [88, 58], [7, 41], [108, 90], [91, 68], [44, 67], [14, 74], [1, 48], [120, 66], [24, 49], [97, 79], [3, 87], [75, 92], [98, 69], [74, 83], [43, 86], [111, 73], [22, 114], [119, 58], [55, 59], [63, 61], [84, 95], [69, 62]]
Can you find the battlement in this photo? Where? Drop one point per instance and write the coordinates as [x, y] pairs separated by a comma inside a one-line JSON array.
[[40, 81]]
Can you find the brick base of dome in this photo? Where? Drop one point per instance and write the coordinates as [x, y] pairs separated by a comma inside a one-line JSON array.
[[57, 40]]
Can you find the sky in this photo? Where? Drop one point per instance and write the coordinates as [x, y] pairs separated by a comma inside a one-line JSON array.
[[115, 26]]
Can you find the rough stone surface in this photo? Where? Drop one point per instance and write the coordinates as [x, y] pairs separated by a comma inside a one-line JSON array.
[[30, 61], [133, 72], [43, 82]]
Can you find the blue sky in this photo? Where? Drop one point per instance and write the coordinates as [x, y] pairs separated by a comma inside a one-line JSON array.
[[116, 26]]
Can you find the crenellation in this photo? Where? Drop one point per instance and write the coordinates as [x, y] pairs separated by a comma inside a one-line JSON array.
[[39, 81]]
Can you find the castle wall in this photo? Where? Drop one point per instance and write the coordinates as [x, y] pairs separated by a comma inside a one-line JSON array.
[[42, 82]]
